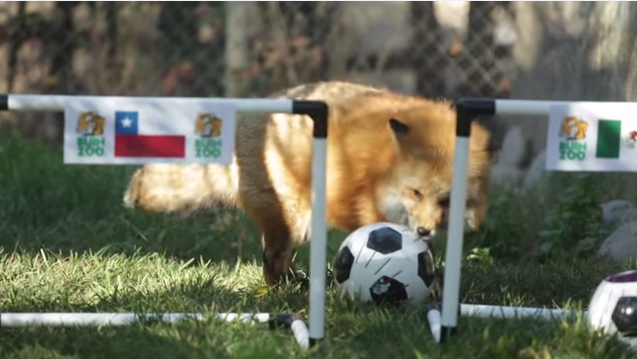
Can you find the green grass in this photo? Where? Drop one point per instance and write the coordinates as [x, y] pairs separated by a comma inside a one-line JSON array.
[[67, 244]]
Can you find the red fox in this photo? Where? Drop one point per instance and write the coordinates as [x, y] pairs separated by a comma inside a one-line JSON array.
[[390, 158]]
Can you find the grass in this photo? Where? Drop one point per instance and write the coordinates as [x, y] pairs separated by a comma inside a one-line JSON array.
[[67, 244]]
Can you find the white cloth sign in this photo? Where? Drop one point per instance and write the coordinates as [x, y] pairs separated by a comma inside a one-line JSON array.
[[592, 136], [105, 130]]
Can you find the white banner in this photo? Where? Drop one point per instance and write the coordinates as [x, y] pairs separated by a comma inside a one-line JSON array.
[[592, 136], [105, 130]]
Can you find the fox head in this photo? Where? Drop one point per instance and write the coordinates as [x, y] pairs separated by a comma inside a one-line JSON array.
[[416, 189]]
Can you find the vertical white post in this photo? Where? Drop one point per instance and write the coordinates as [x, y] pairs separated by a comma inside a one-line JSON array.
[[318, 243], [453, 260]]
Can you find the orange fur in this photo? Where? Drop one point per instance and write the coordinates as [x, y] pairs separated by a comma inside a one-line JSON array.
[[376, 172]]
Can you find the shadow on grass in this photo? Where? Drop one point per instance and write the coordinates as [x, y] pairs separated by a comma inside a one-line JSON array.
[[209, 338], [69, 208], [408, 335], [46, 204], [190, 339], [120, 342]]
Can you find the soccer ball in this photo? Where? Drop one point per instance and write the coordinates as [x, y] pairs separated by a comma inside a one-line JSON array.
[[385, 263], [613, 306]]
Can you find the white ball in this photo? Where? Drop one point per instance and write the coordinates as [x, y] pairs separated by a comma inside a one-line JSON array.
[[384, 262], [613, 306]]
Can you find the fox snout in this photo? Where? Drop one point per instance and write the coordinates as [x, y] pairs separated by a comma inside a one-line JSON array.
[[471, 221], [423, 232]]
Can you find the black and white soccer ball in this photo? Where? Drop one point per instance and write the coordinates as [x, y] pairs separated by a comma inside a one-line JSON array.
[[613, 306], [385, 263]]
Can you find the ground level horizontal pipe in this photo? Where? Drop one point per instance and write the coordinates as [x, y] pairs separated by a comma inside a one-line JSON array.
[[288, 320], [496, 311]]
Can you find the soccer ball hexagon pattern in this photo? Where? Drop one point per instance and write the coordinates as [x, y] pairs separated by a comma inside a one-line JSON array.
[[613, 306], [384, 263]]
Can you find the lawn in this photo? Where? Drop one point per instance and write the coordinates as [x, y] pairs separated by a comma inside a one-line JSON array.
[[67, 244]]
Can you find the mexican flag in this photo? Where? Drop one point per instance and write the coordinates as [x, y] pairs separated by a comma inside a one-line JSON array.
[[609, 138]]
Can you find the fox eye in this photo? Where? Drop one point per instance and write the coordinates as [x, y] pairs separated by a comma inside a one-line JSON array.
[[417, 194], [444, 201]]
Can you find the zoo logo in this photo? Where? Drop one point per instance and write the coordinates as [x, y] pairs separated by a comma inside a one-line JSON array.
[[573, 134], [208, 128], [90, 127], [208, 125], [91, 124]]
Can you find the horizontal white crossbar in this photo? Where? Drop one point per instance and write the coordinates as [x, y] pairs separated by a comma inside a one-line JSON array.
[[530, 107], [17, 102], [28, 102]]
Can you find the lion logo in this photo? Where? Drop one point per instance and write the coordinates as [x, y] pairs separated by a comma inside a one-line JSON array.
[[208, 125], [573, 128], [90, 124]]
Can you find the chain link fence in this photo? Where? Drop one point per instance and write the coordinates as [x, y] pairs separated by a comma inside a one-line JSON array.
[[433, 49], [248, 48], [184, 48]]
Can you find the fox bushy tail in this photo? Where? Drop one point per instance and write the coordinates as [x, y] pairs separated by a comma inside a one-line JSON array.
[[173, 188]]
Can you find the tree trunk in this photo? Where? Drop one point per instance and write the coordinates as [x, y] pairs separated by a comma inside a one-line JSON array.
[[113, 65], [15, 42], [237, 55]]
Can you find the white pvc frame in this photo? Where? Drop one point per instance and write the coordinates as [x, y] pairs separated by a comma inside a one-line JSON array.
[[455, 239], [318, 245]]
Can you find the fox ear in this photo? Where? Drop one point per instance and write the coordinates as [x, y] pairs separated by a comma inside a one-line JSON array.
[[400, 129]]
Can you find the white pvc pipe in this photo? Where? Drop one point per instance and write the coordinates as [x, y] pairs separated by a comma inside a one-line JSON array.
[[433, 317], [24, 102], [451, 289], [57, 102], [115, 319], [318, 243], [523, 107], [496, 311], [301, 333], [298, 327], [530, 107]]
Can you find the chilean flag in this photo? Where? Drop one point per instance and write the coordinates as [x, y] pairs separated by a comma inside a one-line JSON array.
[[129, 142]]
